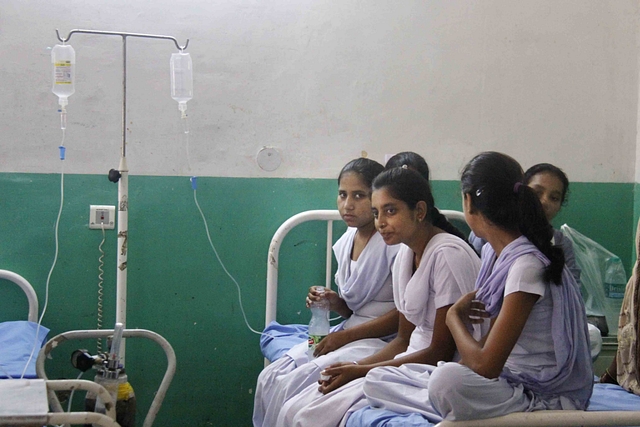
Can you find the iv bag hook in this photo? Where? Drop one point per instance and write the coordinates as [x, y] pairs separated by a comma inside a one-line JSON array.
[[115, 33]]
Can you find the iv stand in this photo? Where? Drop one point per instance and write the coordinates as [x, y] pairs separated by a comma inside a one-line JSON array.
[[123, 182]]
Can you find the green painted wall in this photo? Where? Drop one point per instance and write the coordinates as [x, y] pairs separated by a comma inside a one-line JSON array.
[[178, 289]]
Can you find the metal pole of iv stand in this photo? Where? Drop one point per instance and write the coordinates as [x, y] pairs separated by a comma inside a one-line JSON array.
[[123, 182], [123, 212]]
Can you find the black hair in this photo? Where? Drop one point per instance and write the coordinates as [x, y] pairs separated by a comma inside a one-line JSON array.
[[410, 159], [494, 183], [416, 162], [367, 169], [554, 170], [406, 185]]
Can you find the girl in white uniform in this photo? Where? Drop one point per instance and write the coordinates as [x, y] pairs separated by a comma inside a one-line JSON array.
[[432, 271], [536, 354], [363, 279]]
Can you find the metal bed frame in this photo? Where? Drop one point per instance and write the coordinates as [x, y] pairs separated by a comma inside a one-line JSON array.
[[41, 391]]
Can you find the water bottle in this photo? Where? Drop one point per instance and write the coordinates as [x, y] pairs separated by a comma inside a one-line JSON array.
[[63, 58], [319, 324], [615, 283]]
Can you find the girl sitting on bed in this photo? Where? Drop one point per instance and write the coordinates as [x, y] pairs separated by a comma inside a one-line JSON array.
[[363, 279], [357, 282], [536, 354], [432, 270], [551, 185]]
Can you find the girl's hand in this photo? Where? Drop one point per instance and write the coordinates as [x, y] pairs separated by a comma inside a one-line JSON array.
[[334, 299], [340, 374], [331, 342], [468, 309], [315, 295]]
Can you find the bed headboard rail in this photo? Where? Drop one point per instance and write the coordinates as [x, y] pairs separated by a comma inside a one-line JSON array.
[[453, 215], [27, 289], [274, 250]]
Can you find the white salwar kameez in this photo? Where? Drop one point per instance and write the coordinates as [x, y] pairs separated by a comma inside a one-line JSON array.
[[366, 287], [448, 270]]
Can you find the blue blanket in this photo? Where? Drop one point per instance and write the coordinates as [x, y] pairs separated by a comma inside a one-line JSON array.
[[605, 397], [17, 340], [278, 339]]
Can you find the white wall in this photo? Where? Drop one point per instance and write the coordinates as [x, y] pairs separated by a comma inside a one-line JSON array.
[[324, 80]]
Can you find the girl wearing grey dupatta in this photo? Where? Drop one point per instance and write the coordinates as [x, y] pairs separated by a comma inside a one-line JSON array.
[[364, 298], [536, 354]]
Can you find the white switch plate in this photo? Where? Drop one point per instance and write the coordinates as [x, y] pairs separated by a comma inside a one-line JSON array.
[[99, 215]]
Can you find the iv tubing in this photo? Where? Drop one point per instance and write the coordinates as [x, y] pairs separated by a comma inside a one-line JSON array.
[[204, 220], [55, 257], [194, 187], [63, 118]]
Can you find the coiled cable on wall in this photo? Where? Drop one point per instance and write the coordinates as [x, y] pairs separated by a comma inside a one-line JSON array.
[[100, 287]]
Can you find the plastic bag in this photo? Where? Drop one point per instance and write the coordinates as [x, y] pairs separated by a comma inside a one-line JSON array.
[[601, 276]]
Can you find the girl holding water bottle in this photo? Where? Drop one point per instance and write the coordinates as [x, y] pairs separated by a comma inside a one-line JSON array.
[[365, 297]]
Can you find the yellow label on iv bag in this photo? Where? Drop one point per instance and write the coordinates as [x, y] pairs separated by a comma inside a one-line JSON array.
[[62, 73]]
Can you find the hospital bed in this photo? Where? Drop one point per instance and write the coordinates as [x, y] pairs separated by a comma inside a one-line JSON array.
[[610, 405], [32, 401]]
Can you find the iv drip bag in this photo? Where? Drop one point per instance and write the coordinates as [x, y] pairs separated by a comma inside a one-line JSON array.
[[181, 79], [63, 58]]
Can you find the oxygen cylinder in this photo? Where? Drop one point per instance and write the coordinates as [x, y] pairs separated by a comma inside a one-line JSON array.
[[121, 392]]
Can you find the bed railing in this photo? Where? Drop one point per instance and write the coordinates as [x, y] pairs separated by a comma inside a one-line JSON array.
[[54, 403], [27, 289], [274, 253]]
